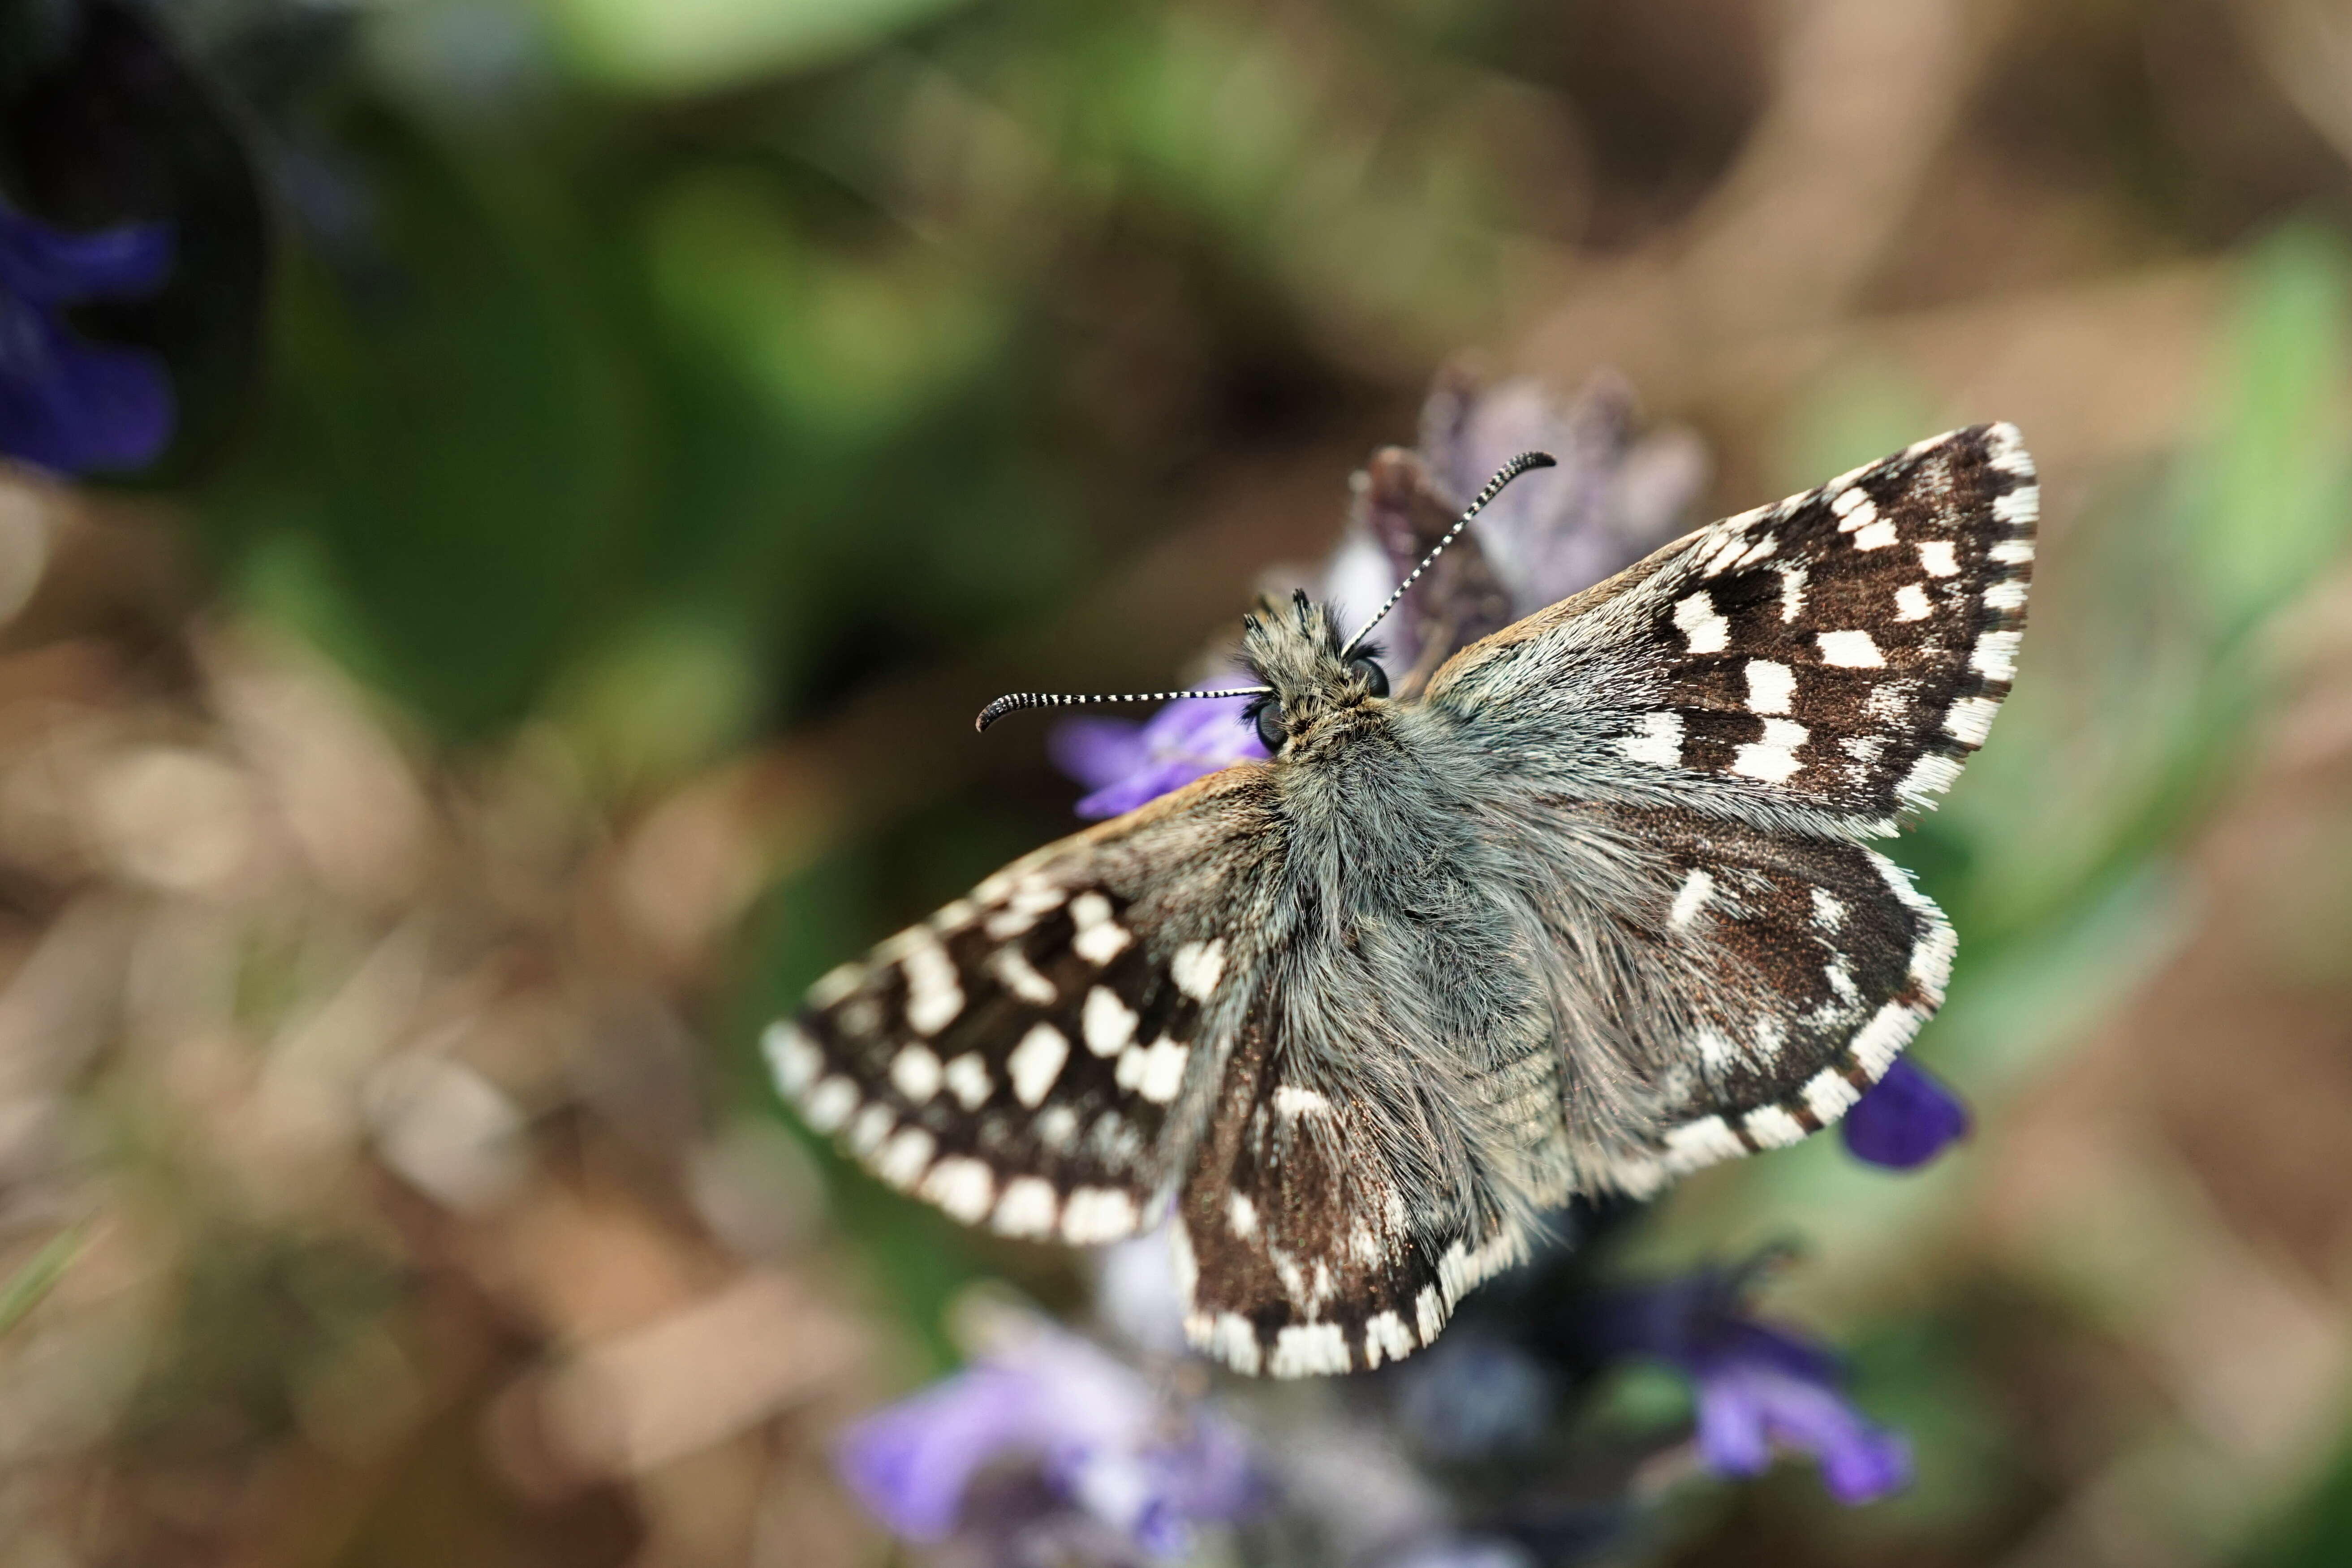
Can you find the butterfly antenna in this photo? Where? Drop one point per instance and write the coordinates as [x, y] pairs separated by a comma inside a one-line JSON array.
[[1511, 470], [1014, 701]]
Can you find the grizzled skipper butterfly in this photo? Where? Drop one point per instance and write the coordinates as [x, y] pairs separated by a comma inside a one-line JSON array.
[[1590, 910]]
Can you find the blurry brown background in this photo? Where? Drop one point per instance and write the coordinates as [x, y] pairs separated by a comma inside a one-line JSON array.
[[680, 417]]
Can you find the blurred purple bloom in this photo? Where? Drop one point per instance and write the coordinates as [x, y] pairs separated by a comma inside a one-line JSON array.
[[1745, 1405], [1905, 1120], [66, 403], [1127, 764], [1757, 1387], [1611, 500], [1105, 1442]]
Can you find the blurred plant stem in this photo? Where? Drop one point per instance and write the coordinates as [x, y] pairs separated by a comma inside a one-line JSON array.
[[25, 1288]]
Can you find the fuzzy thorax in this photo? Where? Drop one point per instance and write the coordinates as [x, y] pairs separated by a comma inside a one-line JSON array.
[[1294, 649]]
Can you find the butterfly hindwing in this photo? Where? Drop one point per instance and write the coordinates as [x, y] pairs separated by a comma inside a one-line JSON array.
[[1812, 962], [1301, 1248], [1022, 1058]]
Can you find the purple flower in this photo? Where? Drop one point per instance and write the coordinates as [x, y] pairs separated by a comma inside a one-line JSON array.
[[1609, 501], [1612, 501], [1105, 1444], [1758, 1388], [1127, 764], [1747, 1404], [1905, 1120], [66, 403]]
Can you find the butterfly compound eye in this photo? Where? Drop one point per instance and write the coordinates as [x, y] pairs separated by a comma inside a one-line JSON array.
[[1270, 733], [1374, 676]]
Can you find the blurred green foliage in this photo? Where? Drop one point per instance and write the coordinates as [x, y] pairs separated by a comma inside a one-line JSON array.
[[696, 413], [2317, 1531], [2141, 714]]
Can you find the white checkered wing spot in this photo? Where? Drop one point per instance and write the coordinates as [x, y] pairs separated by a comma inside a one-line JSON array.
[[1029, 1057]]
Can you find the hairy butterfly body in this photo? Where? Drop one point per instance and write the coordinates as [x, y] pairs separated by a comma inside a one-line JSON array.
[[1591, 910]]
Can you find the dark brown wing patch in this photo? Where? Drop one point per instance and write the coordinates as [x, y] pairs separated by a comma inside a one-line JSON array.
[[1817, 963], [1301, 1250]]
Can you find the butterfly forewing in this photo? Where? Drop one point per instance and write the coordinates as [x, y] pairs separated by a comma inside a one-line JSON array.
[[1020, 1057], [1840, 652], [1852, 645]]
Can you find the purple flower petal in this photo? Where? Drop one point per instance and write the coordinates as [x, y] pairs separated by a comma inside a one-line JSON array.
[[46, 265], [1128, 765], [1745, 1409], [1156, 1494], [1905, 1120], [67, 405], [1754, 1343], [1871, 1464], [910, 1463], [75, 407], [1097, 752], [1142, 788], [1608, 502], [1105, 1440], [1758, 1388], [1731, 1433]]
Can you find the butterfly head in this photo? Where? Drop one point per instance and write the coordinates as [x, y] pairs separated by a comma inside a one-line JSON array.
[[1311, 677]]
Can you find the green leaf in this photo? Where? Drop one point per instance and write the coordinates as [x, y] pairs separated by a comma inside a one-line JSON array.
[[2271, 496], [2317, 1532], [665, 47]]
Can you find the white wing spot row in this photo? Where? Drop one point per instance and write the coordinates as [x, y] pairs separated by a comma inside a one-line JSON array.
[[1850, 650], [1099, 937], [934, 997], [1696, 888], [1197, 966]]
